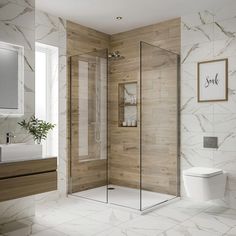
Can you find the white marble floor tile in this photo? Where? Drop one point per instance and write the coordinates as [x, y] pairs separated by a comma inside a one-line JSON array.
[[118, 232], [231, 232], [192, 205], [50, 232], [224, 215], [86, 209], [33, 225], [16, 228], [114, 216], [181, 230], [148, 225], [72, 205], [54, 218], [180, 211], [82, 227], [206, 224], [76, 217]]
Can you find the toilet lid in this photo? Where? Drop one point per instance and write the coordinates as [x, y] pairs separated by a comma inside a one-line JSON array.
[[202, 172]]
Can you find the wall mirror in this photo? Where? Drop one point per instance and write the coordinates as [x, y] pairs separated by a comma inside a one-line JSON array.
[[11, 79]]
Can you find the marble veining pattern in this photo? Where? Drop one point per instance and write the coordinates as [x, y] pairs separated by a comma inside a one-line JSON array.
[[17, 27], [16, 209], [24, 3], [74, 216], [15, 14], [51, 30], [208, 35]]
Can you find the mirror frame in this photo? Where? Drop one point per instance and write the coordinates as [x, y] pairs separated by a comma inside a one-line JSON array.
[[20, 51]]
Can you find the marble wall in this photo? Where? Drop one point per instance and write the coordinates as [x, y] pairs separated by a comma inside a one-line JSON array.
[[208, 35], [20, 24], [51, 30], [17, 26]]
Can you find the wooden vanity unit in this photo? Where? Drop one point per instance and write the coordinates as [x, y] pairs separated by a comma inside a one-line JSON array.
[[25, 178]]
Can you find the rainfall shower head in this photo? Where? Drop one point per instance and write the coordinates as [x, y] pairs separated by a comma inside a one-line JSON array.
[[115, 56]]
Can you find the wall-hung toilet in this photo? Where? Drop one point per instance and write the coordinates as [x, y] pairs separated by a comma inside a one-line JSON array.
[[203, 184]]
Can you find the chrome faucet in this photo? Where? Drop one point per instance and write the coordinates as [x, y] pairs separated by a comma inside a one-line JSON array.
[[9, 136]]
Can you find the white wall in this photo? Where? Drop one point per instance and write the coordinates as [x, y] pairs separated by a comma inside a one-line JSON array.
[[21, 30], [208, 35], [51, 30], [17, 27]]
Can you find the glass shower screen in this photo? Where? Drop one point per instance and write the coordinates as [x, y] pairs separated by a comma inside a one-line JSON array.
[[88, 125], [159, 130]]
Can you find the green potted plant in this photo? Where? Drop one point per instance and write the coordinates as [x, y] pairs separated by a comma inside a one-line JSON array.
[[37, 128]]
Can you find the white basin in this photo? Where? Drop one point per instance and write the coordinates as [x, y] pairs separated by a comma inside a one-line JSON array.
[[20, 152]]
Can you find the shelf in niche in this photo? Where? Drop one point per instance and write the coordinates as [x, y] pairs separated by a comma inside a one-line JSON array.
[[127, 104]]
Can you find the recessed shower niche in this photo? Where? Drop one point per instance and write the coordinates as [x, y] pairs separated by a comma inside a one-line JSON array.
[[128, 104]]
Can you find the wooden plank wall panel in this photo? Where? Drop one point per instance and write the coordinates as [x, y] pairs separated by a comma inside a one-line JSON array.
[[81, 39], [159, 170], [91, 173]]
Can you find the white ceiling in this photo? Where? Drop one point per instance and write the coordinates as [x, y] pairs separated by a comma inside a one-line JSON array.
[[101, 14]]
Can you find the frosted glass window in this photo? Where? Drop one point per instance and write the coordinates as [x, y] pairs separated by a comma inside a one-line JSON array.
[[40, 85], [46, 93]]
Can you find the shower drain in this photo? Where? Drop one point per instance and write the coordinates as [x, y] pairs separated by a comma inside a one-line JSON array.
[[111, 188]]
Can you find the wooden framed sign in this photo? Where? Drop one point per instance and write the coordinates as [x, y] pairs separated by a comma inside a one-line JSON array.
[[213, 80]]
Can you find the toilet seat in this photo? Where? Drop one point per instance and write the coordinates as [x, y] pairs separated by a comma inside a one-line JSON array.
[[202, 172]]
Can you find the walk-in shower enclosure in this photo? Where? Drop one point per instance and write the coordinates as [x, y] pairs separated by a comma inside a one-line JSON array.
[[124, 136]]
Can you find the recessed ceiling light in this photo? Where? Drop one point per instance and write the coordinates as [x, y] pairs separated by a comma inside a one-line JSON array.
[[119, 17]]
